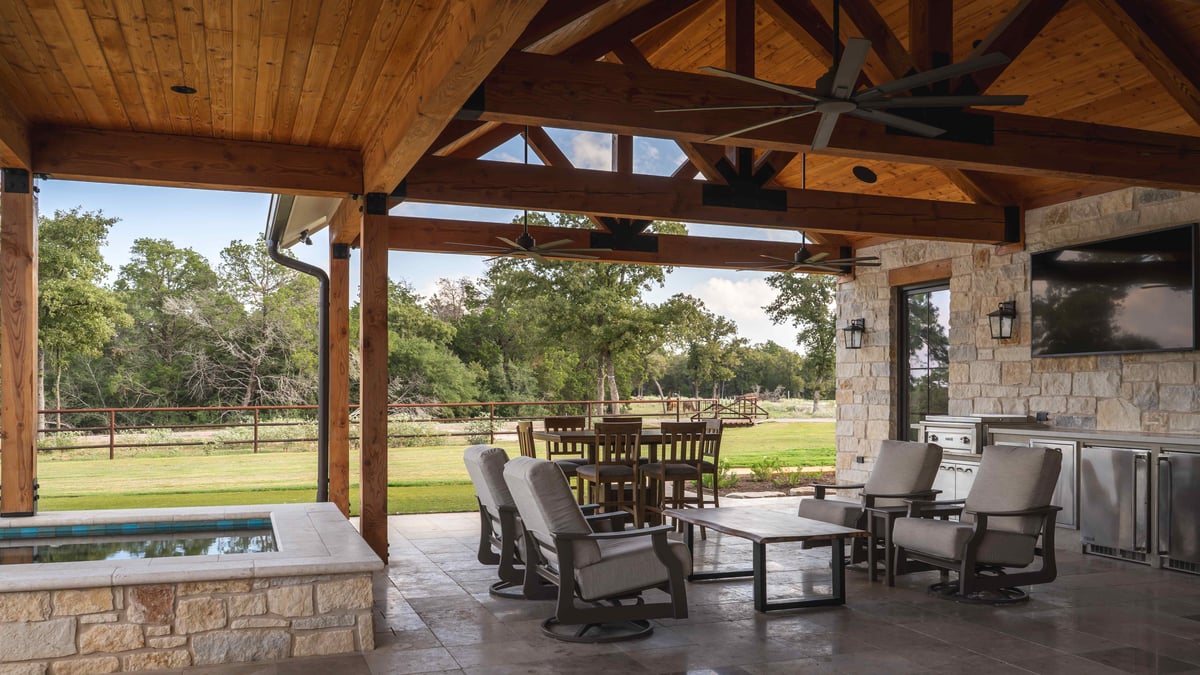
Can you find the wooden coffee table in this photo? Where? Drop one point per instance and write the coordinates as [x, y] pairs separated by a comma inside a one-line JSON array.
[[769, 527]]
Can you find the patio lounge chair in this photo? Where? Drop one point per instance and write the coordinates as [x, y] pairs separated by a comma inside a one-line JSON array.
[[903, 470], [607, 570], [499, 526], [1004, 514]]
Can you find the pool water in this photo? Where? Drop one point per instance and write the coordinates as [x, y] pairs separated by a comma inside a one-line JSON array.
[[125, 541]]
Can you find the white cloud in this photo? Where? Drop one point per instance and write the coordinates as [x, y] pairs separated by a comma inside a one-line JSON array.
[[591, 150], [742, 301]]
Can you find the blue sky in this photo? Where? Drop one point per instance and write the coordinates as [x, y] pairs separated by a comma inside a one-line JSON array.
[[207, 221]]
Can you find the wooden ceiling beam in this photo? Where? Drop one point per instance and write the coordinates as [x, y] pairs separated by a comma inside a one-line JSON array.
[[480, 144], [14, 136], [611, 98], [931, 33], [431, 235], [1010, 37], [892, 54], [507, 185], [554, 17], [625, 29], [654, 40], [801, 20], [190, 161], [346, 222], [469, 39], [1152, 42]]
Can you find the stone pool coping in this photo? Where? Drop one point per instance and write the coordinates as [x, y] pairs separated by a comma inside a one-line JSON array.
[[312, 539]]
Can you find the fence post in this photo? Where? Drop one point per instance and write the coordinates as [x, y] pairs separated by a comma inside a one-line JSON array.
[[256, 430], [112, 433], [492, 423], [678, 409]]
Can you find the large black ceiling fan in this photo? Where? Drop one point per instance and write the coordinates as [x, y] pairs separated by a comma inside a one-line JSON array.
[[834, 95], [804, 260]]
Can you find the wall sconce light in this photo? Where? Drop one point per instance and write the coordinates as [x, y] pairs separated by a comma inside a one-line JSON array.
[[854, 333], [1001, 320]]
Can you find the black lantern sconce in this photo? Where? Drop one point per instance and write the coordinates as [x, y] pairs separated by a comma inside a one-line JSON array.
[[1001, 321], [854, 333]]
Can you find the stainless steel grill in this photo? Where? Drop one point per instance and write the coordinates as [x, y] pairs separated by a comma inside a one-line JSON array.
[[964, 433]]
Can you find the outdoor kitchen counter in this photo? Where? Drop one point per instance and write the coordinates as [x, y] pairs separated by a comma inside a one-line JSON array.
[[1095, 437]]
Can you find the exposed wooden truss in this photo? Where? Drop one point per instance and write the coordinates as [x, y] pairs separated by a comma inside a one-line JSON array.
[[502, 184], [14, 136]]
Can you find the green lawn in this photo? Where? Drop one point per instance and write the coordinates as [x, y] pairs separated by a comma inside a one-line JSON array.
[[421, 479]]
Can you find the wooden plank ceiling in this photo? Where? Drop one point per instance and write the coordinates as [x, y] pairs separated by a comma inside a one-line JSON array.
[[329, 74]]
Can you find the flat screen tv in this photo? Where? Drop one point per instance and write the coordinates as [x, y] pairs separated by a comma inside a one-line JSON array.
[[1133, 294]]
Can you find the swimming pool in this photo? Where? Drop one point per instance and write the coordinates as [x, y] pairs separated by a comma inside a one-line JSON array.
[[124, 541]]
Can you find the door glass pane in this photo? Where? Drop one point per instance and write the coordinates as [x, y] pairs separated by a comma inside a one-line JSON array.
[[925, 366]]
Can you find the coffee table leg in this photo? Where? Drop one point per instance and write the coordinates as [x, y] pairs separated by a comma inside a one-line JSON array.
[[760, 577], [839, 576]]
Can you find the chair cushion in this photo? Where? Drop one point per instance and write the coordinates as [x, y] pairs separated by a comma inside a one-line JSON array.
[[627, 565], [835, 511], [669, 471], [485, 465], [547, 505], [606, 471], [1012, 478], [947, 539], [568, 466], [903, 467]]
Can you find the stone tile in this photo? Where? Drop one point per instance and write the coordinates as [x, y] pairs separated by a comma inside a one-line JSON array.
[[1134, 660], [411, 661]]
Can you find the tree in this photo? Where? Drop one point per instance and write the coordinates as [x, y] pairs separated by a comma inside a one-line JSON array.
[[806, 301], [710, 342], [77, 315]]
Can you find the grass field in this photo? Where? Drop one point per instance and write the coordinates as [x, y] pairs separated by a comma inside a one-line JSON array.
[[421, 479]]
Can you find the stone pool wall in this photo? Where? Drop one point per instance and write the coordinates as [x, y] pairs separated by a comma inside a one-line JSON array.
[[144, 627]]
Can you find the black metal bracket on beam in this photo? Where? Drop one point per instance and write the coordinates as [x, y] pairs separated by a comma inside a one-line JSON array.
[[339, 251], [642, 243], [1012, 224], [473, 108], [960, 126], [744, 197], [375, 203], [16, 181]]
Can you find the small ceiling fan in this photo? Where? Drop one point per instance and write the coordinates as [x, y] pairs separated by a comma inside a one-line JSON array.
[[804, 260], [835, 95], [525, 246]]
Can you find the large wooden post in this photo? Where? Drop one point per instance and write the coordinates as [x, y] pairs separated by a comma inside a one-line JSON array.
[[18, 345], [373, 383], [339, 376]]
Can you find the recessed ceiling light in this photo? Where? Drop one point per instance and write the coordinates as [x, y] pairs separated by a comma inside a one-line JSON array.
[[183, 89], [864, 174]]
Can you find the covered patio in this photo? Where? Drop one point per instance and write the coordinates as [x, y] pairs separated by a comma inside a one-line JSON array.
[[345, 110]]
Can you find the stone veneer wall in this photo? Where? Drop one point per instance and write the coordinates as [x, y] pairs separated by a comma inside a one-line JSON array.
[[1127, 392], [122, 628]]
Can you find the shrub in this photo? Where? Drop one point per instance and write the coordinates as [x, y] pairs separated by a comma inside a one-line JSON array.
[[765, 468], [726, 478], [480, 430], [787, 479]]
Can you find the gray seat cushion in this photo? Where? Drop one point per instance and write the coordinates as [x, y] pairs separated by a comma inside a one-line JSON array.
[[948, 540], [548, 507], [903, 467], [485, 466], [1013, 478], [569, 467], [835, 511], [606, 471], [669, 471], [627, 565]]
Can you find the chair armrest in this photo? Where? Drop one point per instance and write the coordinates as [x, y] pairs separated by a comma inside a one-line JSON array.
[[917, 506], [589, 509], [820, 488], [912, 496], [623, 534], [614, 520], [1040, 510]]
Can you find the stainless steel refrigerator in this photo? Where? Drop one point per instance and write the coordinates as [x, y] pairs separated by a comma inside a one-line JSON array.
[[1115, 513], [1179, 510]]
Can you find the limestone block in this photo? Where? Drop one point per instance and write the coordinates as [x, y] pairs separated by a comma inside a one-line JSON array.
[[110, 637], [1081, 405], [89, 666], [355, 592], [86, 601], [249, 604], [258, 622], [323, 621], [239, 646], [33, 606], [852, 412], [1183, 423], [1175, 398], [1014, 406], [1118, 414], [323, 643], [1151, 195], [104, 617], [199, 614], [1050, 404], [1176, 373], [1076, 421], [1013, 353], [876, 430], [260, 584], [38, 640], [158, 660], [1143, 394], [1156, 422], [985, 372], [210, 587], [155, 631], [1139, 372], [960, 373], [366, 632], [1100, 383], [150, 604], [22, 669], [167, 641], [1015, 372], [1108, 362], [291, 600]]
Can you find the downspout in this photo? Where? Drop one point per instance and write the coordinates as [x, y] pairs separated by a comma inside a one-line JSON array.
[[281, 206]]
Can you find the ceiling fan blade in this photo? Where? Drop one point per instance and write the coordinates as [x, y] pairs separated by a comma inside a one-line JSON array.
[[771, 257], [898, 122], [583, 250], [777, 106], [823, 268], [554, 244], [512, 244], [850, 67], [572, 256], [853, 262], [816, 257], [761, 83], [479, 246], [779, 120], [824, 130], [936, 75], [942, 101]]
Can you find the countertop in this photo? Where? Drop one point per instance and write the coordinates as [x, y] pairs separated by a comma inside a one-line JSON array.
[[1105, 436]]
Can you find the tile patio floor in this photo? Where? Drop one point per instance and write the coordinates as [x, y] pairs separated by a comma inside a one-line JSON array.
[[1100, 616]]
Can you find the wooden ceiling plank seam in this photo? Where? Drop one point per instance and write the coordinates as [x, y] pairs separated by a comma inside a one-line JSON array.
[[554, 17], [508, 185], [14, 75], [160, 17], [107, 26], [191, 161], [459, 55], [135, 29], [384, 44], [429, 235], [654, 40], [50, 28], [1154, 45], [301, 35], [81, 32], [931, 33], [46, 78], [246, 22], [359, 24], [189, 31], [1010, 37], [272, 45], [218, 40], [625, 29], [612, 98], [331, 27]]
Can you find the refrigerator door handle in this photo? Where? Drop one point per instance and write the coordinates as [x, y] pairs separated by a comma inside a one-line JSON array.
[[1141, 541], [1164, 504]]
